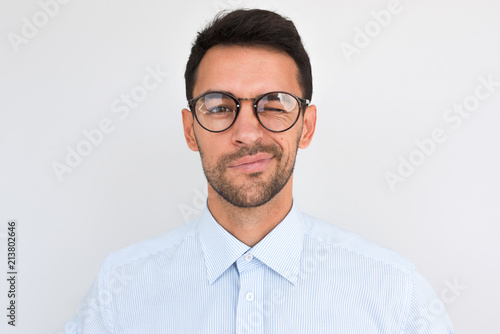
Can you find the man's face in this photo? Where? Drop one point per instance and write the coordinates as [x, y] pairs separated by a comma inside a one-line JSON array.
[[246, 165]]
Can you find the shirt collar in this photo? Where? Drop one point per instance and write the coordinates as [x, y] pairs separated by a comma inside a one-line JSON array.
[[280, 249]]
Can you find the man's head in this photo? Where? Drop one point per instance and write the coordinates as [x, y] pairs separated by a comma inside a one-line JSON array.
[[254, 27], [247, 165]]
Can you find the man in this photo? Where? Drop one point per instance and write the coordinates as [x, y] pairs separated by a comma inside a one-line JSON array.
[[253, 263]]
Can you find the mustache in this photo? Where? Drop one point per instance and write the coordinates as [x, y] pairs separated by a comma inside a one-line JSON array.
[[250, 150]]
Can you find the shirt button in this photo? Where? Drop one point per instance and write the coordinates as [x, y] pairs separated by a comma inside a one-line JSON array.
[[249, 296], [249, 257]]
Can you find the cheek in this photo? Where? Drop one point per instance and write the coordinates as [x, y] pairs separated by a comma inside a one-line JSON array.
[[209, 153], [288, 144], [211, 147], [287, 147]]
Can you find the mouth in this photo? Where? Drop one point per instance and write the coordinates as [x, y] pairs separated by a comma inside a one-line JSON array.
[[252, 163]]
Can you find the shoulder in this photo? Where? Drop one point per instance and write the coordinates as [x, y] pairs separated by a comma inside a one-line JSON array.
[[146, 249], [374, 271], [354, 246]]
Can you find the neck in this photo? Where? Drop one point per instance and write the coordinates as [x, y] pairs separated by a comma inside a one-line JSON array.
[[250, 225]]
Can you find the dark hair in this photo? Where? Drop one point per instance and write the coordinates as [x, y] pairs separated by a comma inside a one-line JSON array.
[[251, 27]]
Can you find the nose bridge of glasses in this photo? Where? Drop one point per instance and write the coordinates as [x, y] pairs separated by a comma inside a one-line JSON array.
[[247, 120], [242, 114], [246, 99], [240, 105]]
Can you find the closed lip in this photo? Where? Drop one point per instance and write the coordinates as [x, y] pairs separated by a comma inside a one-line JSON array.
[[250, 159]]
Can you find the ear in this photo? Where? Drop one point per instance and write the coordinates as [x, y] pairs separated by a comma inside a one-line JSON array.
[[308, 127], [188, 123]]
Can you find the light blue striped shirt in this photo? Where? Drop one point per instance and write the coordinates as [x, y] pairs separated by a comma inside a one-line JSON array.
[[305, 276]]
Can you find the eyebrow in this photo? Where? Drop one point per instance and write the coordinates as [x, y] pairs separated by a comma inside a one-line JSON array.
[[218, 91], [231, 93]]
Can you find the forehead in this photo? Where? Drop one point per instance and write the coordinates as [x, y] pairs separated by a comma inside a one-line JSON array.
[[246, 71]]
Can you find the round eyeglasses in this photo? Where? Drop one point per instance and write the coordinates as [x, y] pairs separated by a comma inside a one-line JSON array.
[[276, 111]]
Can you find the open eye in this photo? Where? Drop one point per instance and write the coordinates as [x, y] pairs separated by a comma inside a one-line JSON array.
[[219, 109]]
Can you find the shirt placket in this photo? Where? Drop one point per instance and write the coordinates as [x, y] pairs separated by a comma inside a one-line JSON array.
[[249, 312]]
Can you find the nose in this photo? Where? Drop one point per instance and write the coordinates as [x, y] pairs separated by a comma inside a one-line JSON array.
[[246, 129]]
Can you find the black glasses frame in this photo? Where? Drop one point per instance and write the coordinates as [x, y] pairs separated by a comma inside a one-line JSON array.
[[303, 104]]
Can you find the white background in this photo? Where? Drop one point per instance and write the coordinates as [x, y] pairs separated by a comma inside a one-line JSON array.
[[142, 180]]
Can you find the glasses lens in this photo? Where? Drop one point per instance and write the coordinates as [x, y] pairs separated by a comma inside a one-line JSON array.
[[278, 111], [215, 111]]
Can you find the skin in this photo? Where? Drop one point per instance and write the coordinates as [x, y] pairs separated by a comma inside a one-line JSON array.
[[248, 72]]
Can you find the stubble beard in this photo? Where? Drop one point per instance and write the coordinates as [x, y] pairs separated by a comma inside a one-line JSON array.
[[254, 192]]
